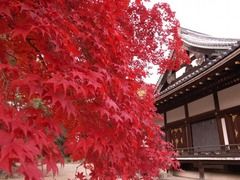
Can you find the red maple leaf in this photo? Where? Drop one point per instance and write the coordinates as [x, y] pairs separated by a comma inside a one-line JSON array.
[[80, 176]]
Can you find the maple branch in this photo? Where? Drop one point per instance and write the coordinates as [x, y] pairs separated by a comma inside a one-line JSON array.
[[38, 51], [32, 45], [5, 80], [11, 55]]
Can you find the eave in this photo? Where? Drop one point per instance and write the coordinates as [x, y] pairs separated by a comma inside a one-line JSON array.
[[210, 72]]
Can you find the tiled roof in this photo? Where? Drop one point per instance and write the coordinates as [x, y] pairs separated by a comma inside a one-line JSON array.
[[196, 39], [204, 41]]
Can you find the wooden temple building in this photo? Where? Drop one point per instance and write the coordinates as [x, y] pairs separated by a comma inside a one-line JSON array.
[[200, 104]]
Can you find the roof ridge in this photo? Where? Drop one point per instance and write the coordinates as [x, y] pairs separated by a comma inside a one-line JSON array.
[[203, 35]]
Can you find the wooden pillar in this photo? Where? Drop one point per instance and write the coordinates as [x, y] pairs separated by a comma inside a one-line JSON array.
[[201, 170], [216, 102], [165, 119], [166, 129], [188, 127], [218, 118]]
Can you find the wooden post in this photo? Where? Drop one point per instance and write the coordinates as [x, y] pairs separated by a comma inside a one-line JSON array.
[[188, 130], [201, 170]]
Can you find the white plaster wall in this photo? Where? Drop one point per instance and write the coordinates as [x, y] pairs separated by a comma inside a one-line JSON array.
[[160, 120], [224, 128], [175, 114], [201, 105], [161, 123], [229, 97]]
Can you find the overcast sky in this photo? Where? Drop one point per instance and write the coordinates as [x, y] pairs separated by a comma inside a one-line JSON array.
[[219, 18]]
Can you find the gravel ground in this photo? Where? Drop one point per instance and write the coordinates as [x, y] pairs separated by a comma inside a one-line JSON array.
[[67, 173]]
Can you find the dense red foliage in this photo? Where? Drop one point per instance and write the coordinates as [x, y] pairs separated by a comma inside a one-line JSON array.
[[78, 66]]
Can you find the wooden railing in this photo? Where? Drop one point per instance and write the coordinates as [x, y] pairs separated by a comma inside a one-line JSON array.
[[218, 150]]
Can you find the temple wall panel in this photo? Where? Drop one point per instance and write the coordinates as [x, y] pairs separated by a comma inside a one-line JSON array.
[[178, 137], [233, 127], [205, 133], [175, 114], [202, 105], [229, 97]]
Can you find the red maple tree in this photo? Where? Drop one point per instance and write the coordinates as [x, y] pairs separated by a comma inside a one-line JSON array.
[[77, 66]]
